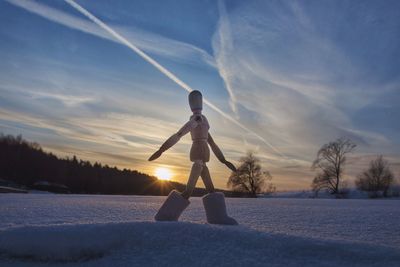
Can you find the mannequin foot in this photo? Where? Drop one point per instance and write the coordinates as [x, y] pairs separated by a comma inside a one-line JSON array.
[[214, 204]]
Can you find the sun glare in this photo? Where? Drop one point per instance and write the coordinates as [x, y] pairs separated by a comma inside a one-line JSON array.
[[163, 174]]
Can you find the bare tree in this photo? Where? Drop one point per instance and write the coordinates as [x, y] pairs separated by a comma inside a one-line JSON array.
[[377, 178], [250, 178], [330, 160]]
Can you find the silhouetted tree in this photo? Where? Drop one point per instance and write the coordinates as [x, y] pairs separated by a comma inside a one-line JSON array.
[[377, 178], [330, 160], [250, 178]]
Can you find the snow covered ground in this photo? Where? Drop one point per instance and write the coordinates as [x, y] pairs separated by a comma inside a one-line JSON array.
[[82, 230]]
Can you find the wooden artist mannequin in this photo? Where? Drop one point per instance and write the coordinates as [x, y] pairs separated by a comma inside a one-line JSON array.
[[199, 154]]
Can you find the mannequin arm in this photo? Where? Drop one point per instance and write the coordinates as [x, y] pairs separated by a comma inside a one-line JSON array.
[[174, 138], [218, 153]]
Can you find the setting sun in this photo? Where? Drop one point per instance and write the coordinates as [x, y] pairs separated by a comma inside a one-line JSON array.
[[163, 174]]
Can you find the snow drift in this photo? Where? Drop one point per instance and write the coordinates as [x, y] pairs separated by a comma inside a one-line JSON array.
[[98, 230], [182, 244]]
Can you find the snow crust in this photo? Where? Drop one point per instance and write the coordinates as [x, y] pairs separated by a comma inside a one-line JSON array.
[[72, 230]]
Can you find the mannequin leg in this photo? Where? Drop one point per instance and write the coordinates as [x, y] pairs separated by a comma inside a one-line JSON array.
[[197, 168], [206, 177], [172, 208]]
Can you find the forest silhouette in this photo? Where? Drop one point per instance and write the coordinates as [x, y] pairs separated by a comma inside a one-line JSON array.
[[26, 164]]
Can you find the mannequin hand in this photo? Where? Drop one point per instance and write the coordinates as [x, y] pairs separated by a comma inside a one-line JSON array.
[[156, 155], [230, 166]]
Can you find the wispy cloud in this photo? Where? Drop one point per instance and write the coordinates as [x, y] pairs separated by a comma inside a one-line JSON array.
[[293, 90], [67, 100], [148, 41], [222, 45], [298, 86]]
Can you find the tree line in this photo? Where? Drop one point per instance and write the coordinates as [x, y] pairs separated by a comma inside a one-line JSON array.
[[25, 163]]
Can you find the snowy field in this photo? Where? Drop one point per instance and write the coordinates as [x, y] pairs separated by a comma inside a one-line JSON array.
[[81, 230]]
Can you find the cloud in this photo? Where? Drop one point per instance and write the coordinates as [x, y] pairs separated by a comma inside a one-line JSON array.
[[277, 65], [298, 86], [222, 44], [67, 100], [148, 41]]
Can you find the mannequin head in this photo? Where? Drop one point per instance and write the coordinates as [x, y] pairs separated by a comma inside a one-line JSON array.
[[196, 101]]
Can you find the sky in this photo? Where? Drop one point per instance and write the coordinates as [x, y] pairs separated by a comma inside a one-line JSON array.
[[285, 77]]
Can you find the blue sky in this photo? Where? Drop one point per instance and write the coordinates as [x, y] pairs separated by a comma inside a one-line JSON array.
[[296, 73]]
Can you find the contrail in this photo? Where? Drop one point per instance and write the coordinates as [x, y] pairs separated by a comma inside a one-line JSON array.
[[163, 70]]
